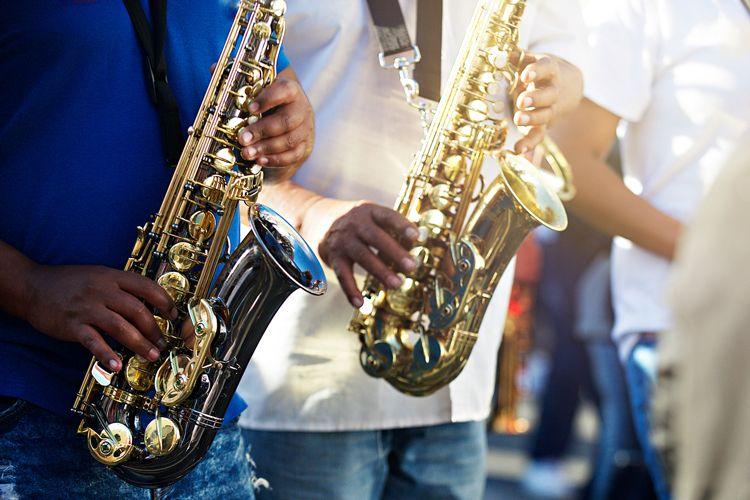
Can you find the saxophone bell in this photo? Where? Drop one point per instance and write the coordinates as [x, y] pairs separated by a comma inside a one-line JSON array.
[[271, 263]]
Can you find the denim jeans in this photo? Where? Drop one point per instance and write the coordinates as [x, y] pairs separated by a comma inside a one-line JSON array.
[[619, 470], [436, 462], [640, 371], [42, 457]]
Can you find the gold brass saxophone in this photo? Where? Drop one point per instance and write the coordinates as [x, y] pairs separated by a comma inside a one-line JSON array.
[[153, 422], [419, 337]]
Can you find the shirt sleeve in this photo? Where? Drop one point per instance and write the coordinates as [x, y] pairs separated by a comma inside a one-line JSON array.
[[559, 29], [283, 62], [622, 51]]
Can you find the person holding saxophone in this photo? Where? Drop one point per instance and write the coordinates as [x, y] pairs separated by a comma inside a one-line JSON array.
[[669, 79], [82, 164], [316, 424]]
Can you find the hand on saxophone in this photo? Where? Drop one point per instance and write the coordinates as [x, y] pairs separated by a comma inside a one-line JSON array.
[[83, 303], [374, 237], [283, 138], [549, 87]]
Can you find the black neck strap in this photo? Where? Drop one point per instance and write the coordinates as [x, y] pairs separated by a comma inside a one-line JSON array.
[[152, 43], [393, 37]]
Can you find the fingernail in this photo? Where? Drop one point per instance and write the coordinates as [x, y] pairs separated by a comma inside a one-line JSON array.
[[530, 76], [357, 302], [522, 119], [246, 138], [412, 233], [114, 364], [173, 314], [408, 264], [254, 107], [153, 354], [249, 153], [527, 102], [394, 282], [263, 161], [162, 344]]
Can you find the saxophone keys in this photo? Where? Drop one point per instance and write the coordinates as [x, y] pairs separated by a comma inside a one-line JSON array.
[[477, 111], [139, 373], [263, 30], [175, 284], [202, 225], [427, 353], [278, 7], [213, 188], [224, 160], [234, 126], [435, 221], [247, 94], [102, 376], [161, 436], [184, 256], [378, 360], [404, 300], [498, 58], [167, 330], [113, 445], [453, 166], [440, 196]]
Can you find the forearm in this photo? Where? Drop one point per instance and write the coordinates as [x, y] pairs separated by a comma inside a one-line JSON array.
[[14, 268], [604, 202], [290, 199]]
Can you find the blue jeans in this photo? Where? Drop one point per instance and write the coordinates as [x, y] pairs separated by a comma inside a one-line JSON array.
[[619, 471], [42, 457], [640, 371], [436, 462]]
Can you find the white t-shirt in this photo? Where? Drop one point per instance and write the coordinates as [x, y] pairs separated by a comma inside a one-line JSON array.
[[305, 374], [676, 71]]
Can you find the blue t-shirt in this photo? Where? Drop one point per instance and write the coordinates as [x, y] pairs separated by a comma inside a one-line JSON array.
[[81, 159]]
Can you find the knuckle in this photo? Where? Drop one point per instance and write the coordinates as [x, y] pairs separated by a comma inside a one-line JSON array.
[[287, 122], [290, 141]]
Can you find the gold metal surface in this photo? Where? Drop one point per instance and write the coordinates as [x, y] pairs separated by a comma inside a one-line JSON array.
[[161, 436], [419, 336], [175, 284], [213, 188], [111, 451], [183, 256], [202, 225], [139, 372]]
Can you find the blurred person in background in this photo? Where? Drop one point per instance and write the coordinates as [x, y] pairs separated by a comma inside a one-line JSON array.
[[673, 75], [568, 380], [705, 397]]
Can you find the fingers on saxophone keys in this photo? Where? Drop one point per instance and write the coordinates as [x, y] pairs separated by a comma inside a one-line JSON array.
[[544, 68], [282, 91], [343, 268], [395, 223], [540, 116], [89, 338], [125, 333], [149, 291], [136, 312], [537, 98], [388, 247], [362, 255], [275, 126], [275, 145]]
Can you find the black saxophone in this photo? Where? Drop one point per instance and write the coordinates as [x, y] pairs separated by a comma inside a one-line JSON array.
[[152, 423]]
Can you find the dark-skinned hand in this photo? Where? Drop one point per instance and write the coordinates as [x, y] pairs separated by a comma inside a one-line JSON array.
[[83, 303]]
